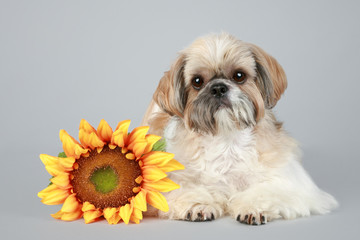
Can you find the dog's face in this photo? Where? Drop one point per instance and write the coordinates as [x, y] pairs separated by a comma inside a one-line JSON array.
[[220, 83]]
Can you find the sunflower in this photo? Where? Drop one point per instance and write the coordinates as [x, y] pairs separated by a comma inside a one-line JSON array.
[[113, 174]]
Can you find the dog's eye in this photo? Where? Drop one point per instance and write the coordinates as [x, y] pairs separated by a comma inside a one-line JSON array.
[[197, 82], [239, 77]]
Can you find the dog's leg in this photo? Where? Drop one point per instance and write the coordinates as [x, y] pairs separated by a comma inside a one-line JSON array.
[[194, 204], [288, 193]]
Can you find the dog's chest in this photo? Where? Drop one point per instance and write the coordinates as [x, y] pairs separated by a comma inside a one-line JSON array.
[[223, 158]]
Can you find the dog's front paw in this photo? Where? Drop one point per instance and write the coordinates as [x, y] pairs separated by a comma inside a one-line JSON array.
[[252, 218], [201, 213]]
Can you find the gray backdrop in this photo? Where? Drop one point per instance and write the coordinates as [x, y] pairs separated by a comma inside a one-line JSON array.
[[61, 61]]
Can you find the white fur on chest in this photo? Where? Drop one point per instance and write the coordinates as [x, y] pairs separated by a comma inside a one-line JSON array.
[[224, 159]]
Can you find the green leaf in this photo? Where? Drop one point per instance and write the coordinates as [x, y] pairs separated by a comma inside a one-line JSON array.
[[62, 155], [160, 145]]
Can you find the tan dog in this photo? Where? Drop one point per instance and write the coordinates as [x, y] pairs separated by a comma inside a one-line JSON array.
[[214, 109]]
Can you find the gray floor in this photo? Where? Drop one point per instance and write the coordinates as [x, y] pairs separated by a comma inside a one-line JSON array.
[[64, 61]]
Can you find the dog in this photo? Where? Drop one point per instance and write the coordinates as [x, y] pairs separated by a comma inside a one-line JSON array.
[[214, 109]]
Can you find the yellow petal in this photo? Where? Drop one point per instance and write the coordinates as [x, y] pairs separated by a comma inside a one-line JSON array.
[[151, 139], [55, 170], [157, 200], [48, 160], [157, 158], [104, 131], [71, 147], [172, 165], [125, 213], [88, 207], [137, 134], [47, 190], [62, 181], [152, 173], [71, 204], [52, 164], [139, 201], [71, 216], [85, 125], [67, 163], [137, 214], [112, 215], [163, 185], [92, 216], [55, 197]]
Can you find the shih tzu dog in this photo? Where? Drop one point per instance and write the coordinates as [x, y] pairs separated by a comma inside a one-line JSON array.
[[213, 107]]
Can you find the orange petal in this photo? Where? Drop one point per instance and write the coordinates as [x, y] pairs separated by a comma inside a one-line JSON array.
[[125, 213], [104, 131], [112, 215], [123, 127], [152, 173], [157, 200], [137, 134], [118, 138], [90, 140], [163, 185], [47, 190], [67, 163], [92, 216], [139, 148], [151, 139], [57, 215], [130, 156], [71, 216], [62, 181], [139, 201], [157, 158], [71, 147], [135, 220], [55, 197], [88, 207], [172, 165], [71, 204], [85, 125]]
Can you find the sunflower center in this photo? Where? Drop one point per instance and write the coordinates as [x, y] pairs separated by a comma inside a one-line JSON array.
[[105, 179]]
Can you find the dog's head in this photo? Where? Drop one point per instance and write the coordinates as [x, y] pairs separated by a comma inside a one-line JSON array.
[[220, 83]]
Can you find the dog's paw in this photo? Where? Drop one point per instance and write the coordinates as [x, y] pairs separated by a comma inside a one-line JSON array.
[[201, 213], [252, 218]]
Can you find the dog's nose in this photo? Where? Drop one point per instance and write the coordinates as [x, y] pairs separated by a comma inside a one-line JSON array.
[[219, 90]]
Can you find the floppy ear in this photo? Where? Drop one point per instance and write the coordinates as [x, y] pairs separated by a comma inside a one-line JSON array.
[[271, 78], [171, 94]]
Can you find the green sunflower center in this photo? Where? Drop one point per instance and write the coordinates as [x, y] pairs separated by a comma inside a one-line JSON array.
[[104, 179]]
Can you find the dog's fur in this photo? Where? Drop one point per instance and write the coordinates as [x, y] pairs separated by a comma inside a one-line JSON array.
[[238, 159]]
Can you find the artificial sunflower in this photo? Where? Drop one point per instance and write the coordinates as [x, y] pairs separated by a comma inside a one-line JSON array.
[[113, 174]]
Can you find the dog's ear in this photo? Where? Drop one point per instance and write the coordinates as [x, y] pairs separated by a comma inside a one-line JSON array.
[[271, 78], [171, 94]]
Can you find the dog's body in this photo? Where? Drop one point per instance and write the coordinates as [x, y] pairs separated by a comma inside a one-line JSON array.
[[214, 110]]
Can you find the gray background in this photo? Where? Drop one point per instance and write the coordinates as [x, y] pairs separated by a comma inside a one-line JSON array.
[[61, 61]]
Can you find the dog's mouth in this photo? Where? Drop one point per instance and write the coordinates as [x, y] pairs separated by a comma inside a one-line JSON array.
[[223, 103]]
